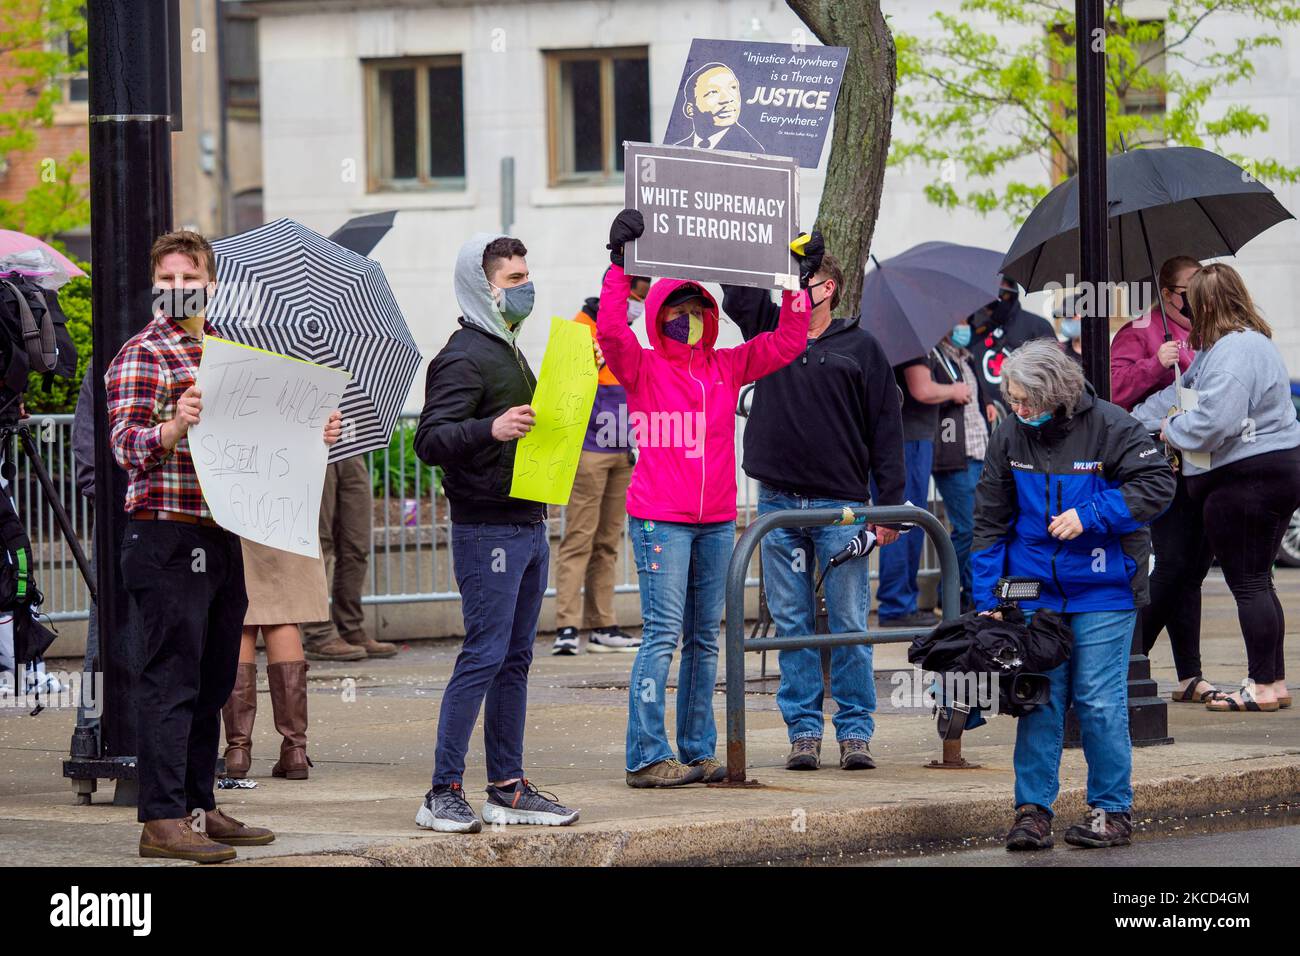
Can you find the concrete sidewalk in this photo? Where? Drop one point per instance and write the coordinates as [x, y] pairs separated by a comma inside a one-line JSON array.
[[372, 740]]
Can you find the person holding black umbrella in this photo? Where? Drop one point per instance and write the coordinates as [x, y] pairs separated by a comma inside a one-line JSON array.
[[1144, 357], [1235, 428]]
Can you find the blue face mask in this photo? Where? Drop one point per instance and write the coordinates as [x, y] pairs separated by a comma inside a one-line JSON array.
[[1037, 420], [1071, 328], [961, 335], [516, 302]]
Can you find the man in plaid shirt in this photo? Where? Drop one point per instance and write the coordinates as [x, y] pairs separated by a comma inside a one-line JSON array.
[[184, 574]]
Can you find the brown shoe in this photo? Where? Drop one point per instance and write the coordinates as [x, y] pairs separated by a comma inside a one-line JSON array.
[[223, 828], [334, 649], [288, 680], [665, 773], [714, 770], [805, 754], [178, 840], [238, 715], [372, 648]]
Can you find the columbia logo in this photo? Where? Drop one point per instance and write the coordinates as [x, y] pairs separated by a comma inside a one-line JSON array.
[[1020, 464]]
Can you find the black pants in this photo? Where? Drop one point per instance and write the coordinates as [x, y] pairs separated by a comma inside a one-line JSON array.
[[1246, 507], [1183, 558], [187, 603]]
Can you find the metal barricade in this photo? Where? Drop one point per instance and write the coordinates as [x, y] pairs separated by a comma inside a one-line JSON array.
[[738, 645]]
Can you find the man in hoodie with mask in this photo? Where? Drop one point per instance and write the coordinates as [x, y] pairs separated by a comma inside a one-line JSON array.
[[593, 519], [477, 395], [999, 329]]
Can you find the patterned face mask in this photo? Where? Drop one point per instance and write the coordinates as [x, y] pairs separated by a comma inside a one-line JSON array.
[[687, 328]]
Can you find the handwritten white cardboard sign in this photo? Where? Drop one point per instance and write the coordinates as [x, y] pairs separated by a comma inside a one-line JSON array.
[[259, 447]]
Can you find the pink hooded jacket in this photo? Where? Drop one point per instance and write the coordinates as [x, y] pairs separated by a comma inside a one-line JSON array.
[[681, 399], [1135, 372]]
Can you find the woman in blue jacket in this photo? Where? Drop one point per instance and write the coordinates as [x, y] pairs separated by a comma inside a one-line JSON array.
[[1069, 485]]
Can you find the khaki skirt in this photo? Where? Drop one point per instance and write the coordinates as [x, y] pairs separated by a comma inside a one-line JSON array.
[[283, 587]]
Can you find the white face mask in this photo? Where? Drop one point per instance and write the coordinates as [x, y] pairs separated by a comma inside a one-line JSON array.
[[635, 310]]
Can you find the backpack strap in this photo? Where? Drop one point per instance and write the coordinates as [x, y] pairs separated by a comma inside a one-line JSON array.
[[38, 337]]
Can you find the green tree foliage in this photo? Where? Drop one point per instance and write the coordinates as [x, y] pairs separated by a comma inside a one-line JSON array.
[[974, 102], [41, 41]]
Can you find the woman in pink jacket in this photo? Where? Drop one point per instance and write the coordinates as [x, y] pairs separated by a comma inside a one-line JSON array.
[[1142, 362], [681, 505]]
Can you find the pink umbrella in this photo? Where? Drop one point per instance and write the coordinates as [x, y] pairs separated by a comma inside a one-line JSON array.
[[12, 243]]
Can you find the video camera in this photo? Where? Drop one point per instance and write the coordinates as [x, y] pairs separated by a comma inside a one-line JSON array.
[[33, 338], [1026, 690]]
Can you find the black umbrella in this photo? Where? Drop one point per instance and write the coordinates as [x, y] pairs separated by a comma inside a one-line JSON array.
[[363, 233], [1163, 202], [913, 300]]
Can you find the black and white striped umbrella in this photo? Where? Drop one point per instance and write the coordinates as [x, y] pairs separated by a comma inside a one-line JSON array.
[[285, 288]]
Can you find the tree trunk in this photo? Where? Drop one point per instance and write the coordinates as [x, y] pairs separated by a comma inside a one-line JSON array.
[[855, 171]]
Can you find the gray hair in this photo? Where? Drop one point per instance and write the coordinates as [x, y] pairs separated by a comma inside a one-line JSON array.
[[1050, 378]]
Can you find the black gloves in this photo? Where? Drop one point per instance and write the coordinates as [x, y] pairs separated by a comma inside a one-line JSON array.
[[627, 225], [810, 259]]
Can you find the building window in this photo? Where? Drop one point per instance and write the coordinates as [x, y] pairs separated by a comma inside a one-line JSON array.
[[75, 83], [1142, 95], [239, 54], [596, 100], [415, 126]]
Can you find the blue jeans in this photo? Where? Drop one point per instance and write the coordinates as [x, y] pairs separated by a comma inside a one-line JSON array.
[[957, 488], [791, 558], [899, 563], [501, 572], [682, 569], [1095, 680]]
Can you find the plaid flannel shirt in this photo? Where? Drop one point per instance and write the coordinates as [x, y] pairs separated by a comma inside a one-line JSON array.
[[143, 384]]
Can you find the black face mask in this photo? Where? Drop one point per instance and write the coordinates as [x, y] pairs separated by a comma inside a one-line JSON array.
[[1186, 308], [181, 303]]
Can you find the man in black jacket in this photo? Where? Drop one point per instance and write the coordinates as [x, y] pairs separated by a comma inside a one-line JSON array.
[[997, 330], [476, 407], [819, 430]]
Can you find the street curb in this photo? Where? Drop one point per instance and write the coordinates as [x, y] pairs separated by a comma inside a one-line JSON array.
[[818, 833]]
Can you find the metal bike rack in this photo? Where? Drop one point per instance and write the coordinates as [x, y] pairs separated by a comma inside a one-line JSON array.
[[738, 645]]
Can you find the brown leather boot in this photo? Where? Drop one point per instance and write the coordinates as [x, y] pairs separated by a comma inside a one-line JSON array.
[[372, 647], [223, 828], [238, 715], [178, 840], [288, 681], [334, 649]]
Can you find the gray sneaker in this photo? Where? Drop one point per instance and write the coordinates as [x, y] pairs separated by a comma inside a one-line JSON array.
[[524, 803], [566, 642], [855, 755], [805, 754], [446, 810], [610, 640]]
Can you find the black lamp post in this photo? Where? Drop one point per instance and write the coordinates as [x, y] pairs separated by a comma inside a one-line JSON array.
[[131, 54], [1148, 714]]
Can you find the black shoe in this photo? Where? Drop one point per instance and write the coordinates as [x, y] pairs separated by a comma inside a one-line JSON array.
[[915, 619], [1101, 830], [566, 642], [1032, 829]]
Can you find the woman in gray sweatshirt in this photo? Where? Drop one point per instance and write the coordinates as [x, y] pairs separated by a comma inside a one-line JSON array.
[[1236, 430]]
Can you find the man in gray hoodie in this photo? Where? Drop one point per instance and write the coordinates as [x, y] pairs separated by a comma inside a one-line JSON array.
[[476, 408]]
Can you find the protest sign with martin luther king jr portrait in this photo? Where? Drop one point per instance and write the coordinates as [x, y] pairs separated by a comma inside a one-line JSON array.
[[771, 98]]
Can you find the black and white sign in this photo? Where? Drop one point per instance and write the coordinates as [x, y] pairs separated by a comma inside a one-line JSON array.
[[773, 98], [712, 215]]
